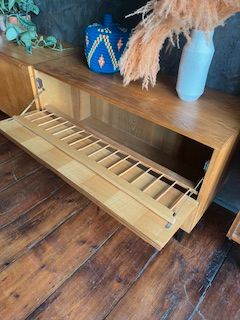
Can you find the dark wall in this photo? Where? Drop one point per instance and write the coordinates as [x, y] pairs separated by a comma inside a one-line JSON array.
[[66, 19]]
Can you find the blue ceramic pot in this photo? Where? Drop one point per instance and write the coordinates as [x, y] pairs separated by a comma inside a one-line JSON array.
[[104, 45]]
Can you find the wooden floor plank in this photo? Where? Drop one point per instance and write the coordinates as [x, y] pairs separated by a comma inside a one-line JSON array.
[[8, 150], [222, 299], [26, 194], [2, 139], [172, 286], [30, 280], [99, 284], [30, 228], [16, 169]]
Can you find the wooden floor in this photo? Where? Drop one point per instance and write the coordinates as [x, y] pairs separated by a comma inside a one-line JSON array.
[[63, 258]]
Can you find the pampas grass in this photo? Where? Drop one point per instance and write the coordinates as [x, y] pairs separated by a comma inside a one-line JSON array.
[[167, 19]]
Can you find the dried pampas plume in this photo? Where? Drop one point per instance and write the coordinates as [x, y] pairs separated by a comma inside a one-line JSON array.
[[166, 19]]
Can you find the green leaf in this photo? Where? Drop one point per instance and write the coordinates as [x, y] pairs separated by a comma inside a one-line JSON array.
[[51, 41], [29, 49], [16, 27], [3, 6], [11, 4], [35, 9], [26, 23], [11, 33]]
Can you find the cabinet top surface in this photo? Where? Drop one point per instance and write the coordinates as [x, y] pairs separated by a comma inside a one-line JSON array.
[[11, 50], [212, 120]]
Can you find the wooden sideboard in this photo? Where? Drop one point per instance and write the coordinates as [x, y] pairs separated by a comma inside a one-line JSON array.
[[16, 70], [137, 154]]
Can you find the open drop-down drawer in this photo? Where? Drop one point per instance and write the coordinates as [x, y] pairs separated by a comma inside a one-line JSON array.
[[151, 200]]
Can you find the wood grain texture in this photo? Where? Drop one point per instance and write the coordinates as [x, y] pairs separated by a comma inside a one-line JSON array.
[[176, 280], [222, 299], [15, 87], [155, 142], [133, 214], [27, 193], [129, 143], [26, 231], [156, 206], [139, 148], [17, 54], [195, 279], [105, 278], [80, 105], [15, 82], [69, 100], [8, 151], [202, 120], [218, 163], [52, 262], [16, 169]]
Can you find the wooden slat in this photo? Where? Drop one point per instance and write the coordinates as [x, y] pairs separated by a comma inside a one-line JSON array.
[[49, 121], [116, 202], [57, 125], [43, 115], [106, 173], [64, 130], [36, 224], [16, 169], [28, 192], [52, 262], [128, 143], [96, 287], [72, 135], [147, 201]]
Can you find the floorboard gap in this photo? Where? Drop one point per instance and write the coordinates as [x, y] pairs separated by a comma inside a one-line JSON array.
[[32, 315], [137, 278], [32, 245], [214, 269], [34, 206]]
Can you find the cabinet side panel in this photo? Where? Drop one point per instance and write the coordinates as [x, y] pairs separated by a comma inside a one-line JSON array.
[[15, 87], [63, 97]]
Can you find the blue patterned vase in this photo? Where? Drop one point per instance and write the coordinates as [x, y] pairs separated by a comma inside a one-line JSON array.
[[104, 45]]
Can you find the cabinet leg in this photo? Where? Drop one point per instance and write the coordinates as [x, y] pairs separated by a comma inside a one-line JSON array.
[[179, 235]]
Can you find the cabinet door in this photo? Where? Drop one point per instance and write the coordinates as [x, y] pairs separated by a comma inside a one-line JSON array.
[[150, 200], [15, 87]]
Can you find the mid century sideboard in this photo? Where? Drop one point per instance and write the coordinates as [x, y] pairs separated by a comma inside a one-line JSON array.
[[147, 158]]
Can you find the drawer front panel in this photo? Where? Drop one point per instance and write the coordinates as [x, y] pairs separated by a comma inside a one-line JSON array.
[[150, 202]]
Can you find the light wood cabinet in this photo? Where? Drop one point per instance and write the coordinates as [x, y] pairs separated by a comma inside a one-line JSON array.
[[137, 154], [16, 72]]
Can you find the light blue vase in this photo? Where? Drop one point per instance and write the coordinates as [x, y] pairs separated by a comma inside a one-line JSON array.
[[194, 66]]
